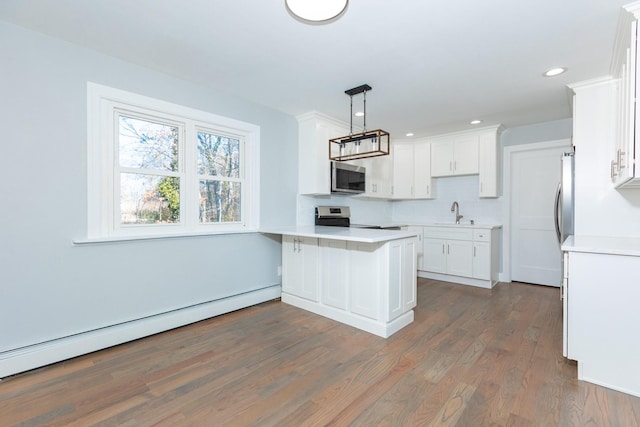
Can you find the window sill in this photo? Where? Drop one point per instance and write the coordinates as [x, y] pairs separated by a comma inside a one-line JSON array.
[[119, 239]]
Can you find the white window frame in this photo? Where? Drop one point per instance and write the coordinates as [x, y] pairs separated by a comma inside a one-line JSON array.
[[103, 220]]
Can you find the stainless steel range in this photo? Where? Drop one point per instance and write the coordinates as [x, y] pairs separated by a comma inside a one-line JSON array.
[[340, 216], [337, 216]]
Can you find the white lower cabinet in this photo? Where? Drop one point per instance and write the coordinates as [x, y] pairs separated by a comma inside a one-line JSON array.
[[601, 317], [448, 256], [370, 286], [459, 258], [482, 260], [467, 255], [300, 265], [435, 255]]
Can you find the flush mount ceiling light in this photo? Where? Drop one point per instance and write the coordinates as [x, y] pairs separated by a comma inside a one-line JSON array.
[[475, 122], [555, 71], [368, 143], [316, 11]]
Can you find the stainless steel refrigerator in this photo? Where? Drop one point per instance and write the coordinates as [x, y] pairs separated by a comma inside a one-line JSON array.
[[564, 217], [565, 222]]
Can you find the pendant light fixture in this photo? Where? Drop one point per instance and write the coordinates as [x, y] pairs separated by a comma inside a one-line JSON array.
[[368, 143], [316, 11]]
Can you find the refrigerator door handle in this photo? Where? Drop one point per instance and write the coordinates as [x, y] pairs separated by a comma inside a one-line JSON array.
[[556, 213]]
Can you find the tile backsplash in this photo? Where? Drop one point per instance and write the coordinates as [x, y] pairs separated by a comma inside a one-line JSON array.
[[463, 189]]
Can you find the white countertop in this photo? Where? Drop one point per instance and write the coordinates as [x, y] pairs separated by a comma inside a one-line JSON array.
[[365, 235], [629, 246], [452, 225]]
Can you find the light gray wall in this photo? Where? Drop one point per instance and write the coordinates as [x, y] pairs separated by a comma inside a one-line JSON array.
[[50, 288], [538, 132]]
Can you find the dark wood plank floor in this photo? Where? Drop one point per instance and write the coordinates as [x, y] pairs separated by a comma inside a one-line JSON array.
[[473, 357]]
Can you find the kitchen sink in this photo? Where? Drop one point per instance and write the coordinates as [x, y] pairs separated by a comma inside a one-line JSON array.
[[453, 224]]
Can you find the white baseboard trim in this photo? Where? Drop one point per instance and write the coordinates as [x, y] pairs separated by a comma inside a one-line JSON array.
[[487, 284], [37, 355], [375, 327]]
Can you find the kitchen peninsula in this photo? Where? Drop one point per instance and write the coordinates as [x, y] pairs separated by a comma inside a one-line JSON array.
[[361, 277]]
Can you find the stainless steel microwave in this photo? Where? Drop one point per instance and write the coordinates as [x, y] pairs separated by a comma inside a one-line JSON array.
[[347, 179]]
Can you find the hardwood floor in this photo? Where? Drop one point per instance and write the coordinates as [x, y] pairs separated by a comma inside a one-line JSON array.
[[473, 357]]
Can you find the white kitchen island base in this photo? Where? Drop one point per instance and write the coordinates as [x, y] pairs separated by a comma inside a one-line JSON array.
[[379, 328], [363, 278]]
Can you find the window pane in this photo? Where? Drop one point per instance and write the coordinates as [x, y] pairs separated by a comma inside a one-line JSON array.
[[147, 145], [218, 155], [149, 199], [219, 201]]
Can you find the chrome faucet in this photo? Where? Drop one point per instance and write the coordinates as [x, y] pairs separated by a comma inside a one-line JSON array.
[[455, 208]]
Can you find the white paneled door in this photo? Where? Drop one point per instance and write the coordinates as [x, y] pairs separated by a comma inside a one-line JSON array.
[[534, 175]]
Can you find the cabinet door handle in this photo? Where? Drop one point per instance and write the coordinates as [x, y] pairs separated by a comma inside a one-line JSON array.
[[474, 251], [443, 248], [620, 164], [451, 166], [448, 249], [455, 166], [613, 169], [428, 191]]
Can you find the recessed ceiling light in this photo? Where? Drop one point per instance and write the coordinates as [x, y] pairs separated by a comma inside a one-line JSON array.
[[555, 71], [359, 114], [317, 11], [409, 134], [475, 122]]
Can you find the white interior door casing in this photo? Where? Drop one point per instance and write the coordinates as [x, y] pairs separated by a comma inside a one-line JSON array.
[[534, 177]]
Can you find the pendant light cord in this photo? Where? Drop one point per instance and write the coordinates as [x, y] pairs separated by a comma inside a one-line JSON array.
[[351, 116], [364, 117]]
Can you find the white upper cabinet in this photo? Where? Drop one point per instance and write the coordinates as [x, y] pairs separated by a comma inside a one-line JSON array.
[[423, 188], [454, 155], [379, 176], [314, 131], [406, 173], [412, 170], [623, 168], [469, 153], [402, 171], [489, 164]]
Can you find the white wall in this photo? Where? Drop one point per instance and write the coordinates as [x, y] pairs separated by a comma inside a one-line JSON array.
[[51, 288]]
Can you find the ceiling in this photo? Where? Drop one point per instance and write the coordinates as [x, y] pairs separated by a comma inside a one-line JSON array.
[[433, 65]]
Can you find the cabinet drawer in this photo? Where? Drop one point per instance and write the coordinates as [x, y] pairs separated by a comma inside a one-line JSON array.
[[482, 235], [449, 233]]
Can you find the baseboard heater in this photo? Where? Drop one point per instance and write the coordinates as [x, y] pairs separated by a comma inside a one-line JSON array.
[[38, 355]]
